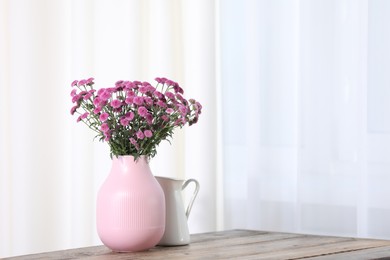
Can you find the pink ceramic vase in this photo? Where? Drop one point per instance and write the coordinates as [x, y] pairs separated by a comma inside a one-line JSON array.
[[130, 206]]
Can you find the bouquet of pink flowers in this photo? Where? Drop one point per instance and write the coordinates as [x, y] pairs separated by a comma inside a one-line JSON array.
[[133, 117]]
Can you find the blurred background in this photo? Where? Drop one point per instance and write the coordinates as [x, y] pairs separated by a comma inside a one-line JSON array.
[[294, 134]]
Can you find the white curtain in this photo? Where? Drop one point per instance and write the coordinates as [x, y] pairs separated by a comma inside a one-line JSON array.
[[295, 133], [50, 168], [306, 116]]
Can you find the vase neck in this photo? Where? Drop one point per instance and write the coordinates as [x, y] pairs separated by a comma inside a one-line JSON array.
[[126, 158], [125, 163]]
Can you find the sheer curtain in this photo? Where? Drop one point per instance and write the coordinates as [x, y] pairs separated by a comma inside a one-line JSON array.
[[50, 168], [295, 133], [306, 116]]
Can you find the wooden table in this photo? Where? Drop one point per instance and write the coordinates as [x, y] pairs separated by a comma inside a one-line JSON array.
[[242, 244]]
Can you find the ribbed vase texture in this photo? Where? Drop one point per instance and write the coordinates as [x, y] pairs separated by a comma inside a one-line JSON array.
[[130, 207]]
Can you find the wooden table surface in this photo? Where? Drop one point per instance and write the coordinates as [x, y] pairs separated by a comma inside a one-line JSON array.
[[242, 244]]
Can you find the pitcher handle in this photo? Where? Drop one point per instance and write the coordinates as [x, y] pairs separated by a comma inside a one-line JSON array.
[[185, 184]]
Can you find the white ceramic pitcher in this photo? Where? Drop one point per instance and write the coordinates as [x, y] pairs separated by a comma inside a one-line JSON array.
[[176, 228]]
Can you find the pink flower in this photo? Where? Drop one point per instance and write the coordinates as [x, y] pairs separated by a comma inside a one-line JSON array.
[[161, 104], [183, 110], [85, 115], [177, 88], [73, 92], [165, 118], [81, 82], [105, 128], [148, 133], [103, 117], [119, 83], [124, 121], [97, 101], [149, 118], [180, 122], [142, 111], [138, 101], [161, 80], [87, 96], [101, 91], [151, 89], [107, 136], [158, 94], [74, 83], [147, 88], [116, 103], [76, 98], [97, 110], [73, 110], [129, 100], [169, 110], [169, 82], [170, 95], [130, 116], [89, 81], [129, 85], [164, 80], [143, 89], [106, 95], [137, 83], [182, 100], [130, 93], [140, 135], [148, 101]]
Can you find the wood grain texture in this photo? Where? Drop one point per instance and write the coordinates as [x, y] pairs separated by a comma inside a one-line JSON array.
[[241, 244]]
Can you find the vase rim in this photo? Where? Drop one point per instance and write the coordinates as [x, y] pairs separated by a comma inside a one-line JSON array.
[[128, 155], [142, 157]]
